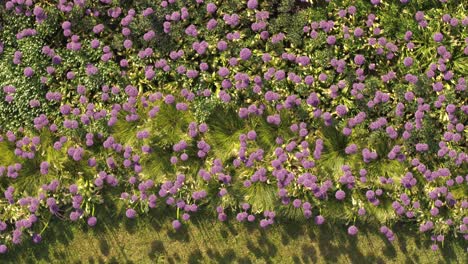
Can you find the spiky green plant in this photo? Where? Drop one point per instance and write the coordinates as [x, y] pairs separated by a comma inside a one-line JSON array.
[[383, 213], [225, 128], [333, 156], [261, 196], [290, 212], [169, 126], [124, 131], [383, 166]]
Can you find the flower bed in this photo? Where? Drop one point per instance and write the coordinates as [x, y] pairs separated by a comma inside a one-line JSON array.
[[351, 112]]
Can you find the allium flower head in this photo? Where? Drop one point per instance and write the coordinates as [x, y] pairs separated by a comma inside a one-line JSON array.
[[211, 8], [340, 195], [3, 249], [28, 72], [331, 40], [319, 220], [245, 54], [359, 59], [341, 110], [408, 61], [438, 37], [358, 32], [352, 230], [252, 4], [131, 213], [176, 224]]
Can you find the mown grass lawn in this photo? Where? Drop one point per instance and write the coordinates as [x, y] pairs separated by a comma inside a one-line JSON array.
[[153, 240]]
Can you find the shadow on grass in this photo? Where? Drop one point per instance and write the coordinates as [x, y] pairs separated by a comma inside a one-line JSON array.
[[290, 231], [104, 247], [195, 257], [309, 254], [260, 245], [226, 257], [157, 249], [329, 242], [325, 238], [181, 234]]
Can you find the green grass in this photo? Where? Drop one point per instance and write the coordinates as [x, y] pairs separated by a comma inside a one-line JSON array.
[[152, 240]]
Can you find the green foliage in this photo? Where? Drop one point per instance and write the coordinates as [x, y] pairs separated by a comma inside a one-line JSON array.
[[261, 197], [226, 128], [333, 156], [157, 166], [382, 214], [170, 126], [291, 213], [124, 131]]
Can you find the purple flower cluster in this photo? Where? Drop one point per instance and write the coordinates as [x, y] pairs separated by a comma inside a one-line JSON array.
[[372, 95], [388, 233]]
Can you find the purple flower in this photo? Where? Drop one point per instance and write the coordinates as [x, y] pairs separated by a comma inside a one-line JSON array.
[[149, 35], [28, 72], [204, 66], [36, 238], [319, 220], [408, 61], [252, 4], [211, 8], [271, 96], [74, 216], [421, 147], [438, 37], [176, 224], [303, 60], [223, 72], [359, 59], [91, 69], [280, 75], [34, 103], [222, 45], [3, 226], [361, 211], [331, 40], [148, 11], [341, 110], [252, 135], [3, 249], [98, 28], [44, 167], [131, 213], [70, 75], [323, 77], [274, 119], [245, 54], [266, 57], [192, 74], [352, 10], [340, 195], [191, 30], [233, 61], [185, 217], [351, 149], [358, 32], [127, 44], [352, 230]]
